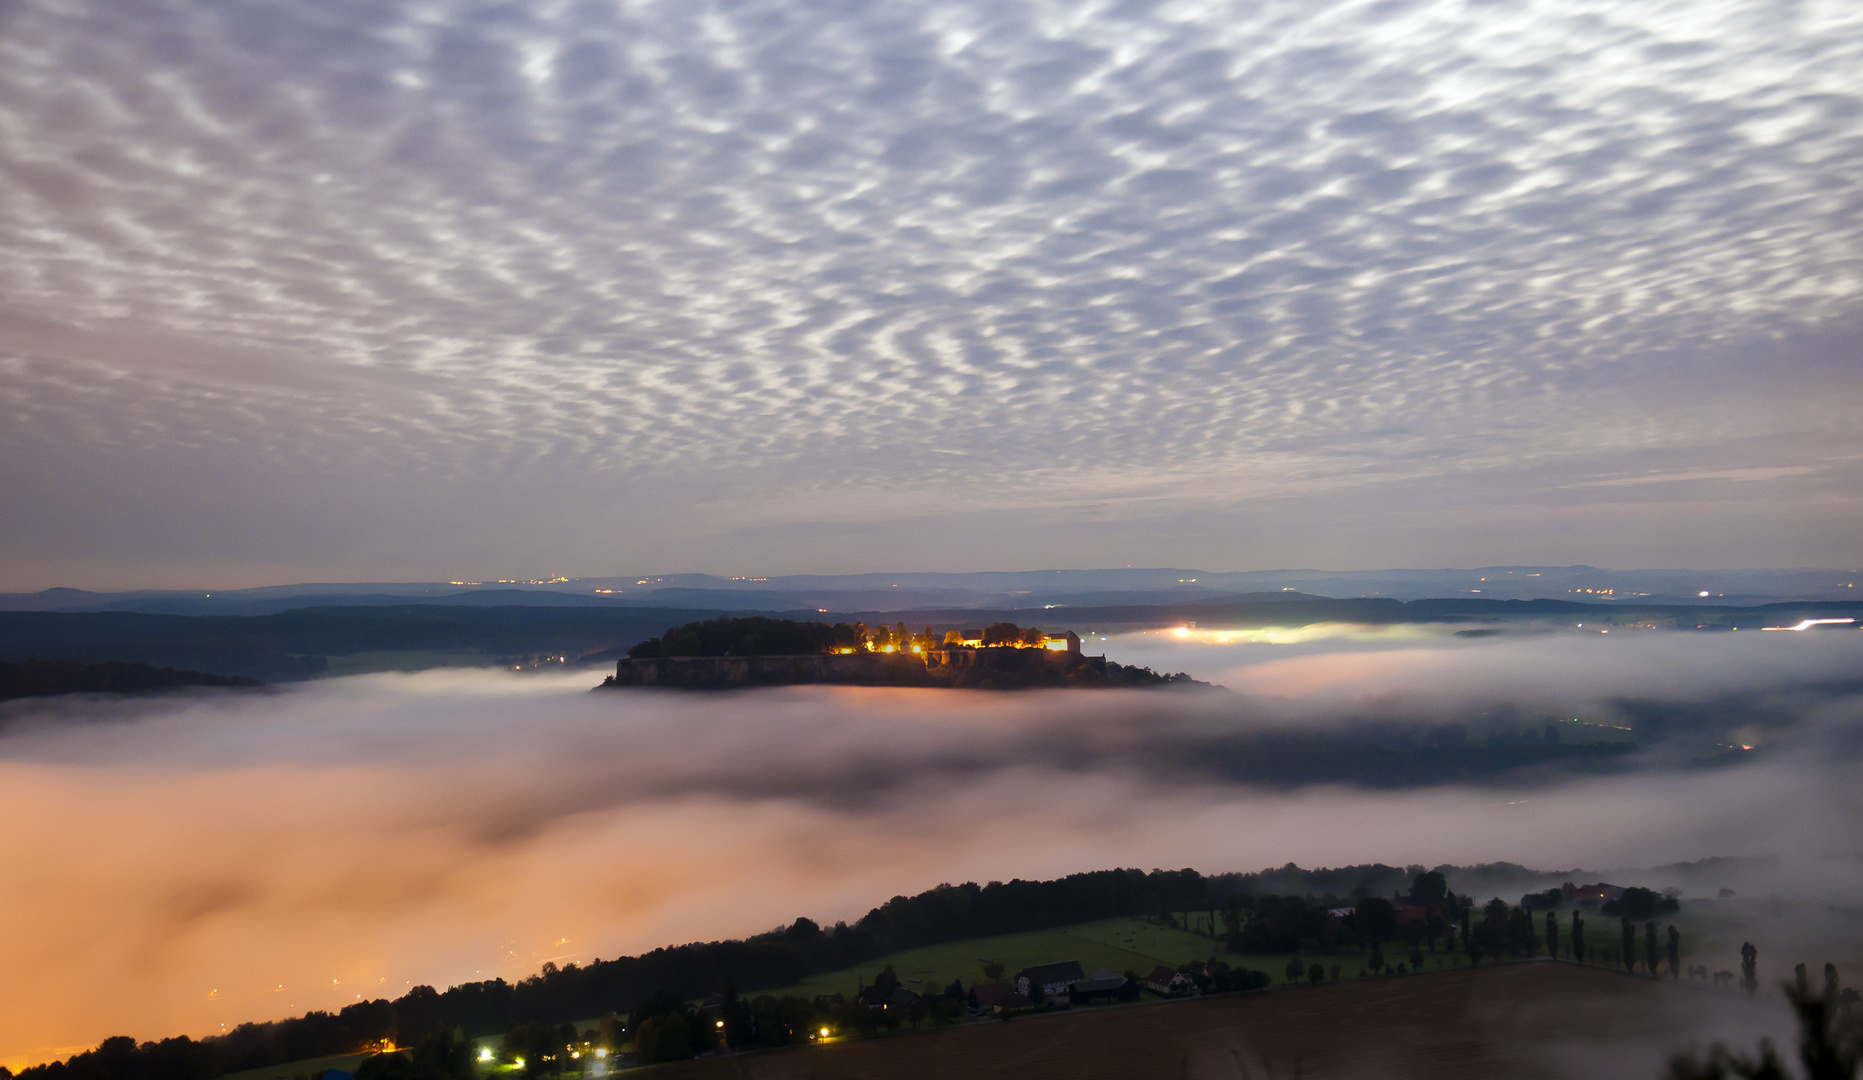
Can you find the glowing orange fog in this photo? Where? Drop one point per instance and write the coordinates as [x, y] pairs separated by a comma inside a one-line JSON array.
[[247, 857]]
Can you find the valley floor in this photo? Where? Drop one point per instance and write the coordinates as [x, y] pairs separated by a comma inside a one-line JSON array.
[[1528, 1020]]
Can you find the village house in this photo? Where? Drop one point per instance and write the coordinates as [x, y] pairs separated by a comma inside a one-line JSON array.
[[999, 998], [1169, 981], [888, 996], [1055, 980]]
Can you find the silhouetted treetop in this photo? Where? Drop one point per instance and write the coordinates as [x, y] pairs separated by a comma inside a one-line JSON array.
[[753, 635]]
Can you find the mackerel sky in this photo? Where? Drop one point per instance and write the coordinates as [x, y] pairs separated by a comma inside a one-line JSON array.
[[382, 290]]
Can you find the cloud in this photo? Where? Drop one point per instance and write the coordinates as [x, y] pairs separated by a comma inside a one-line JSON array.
[[182, 859], [1176, 250]]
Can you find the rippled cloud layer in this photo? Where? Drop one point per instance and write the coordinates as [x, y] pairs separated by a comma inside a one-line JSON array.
[[754, 272]]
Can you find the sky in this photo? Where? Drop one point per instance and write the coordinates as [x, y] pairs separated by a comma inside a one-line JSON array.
[[392, 291], [202, 860]]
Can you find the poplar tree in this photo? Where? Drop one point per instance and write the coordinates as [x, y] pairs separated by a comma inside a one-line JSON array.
[[1749, 968], [1578, 938], [1630, 946], [1552, 934], [1650, 960], [1675, 952]]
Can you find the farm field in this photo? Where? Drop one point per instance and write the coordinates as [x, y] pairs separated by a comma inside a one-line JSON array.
[[1122, 944], [1527, 1020]]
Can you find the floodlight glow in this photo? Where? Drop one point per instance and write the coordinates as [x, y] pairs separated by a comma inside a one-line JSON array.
[[485, 1054]]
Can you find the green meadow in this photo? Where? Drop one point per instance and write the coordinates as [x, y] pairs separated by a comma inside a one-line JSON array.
[[1121, 945], [291, 1070]]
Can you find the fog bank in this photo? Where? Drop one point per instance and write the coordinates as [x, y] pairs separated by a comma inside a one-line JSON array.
[[203, 860]]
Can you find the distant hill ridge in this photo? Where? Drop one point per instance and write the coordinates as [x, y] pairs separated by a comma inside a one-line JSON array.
[[298, 644], [999, 590], [33, 677]]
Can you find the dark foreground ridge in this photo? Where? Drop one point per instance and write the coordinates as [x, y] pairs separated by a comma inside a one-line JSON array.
[[728, 653], [1287, 910]]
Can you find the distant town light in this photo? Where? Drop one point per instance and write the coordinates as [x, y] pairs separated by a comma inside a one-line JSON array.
[[824, 1033], [485, 1053], [1704, 592], [1182, 631]]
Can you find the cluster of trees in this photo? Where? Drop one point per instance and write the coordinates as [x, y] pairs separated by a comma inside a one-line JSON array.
[[1640, 903], [1635, 903], [445, 1055], [1370, 924], [1503, 930], [1008, 634], [1830, 1038], [1216, 977], [758, 635], [1293, 923], [1127, 675], [753, 635]]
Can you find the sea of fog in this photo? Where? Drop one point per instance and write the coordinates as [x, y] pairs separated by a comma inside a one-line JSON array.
[[183, 863]]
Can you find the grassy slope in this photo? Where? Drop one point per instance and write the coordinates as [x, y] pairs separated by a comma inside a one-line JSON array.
[[290, 1069], [1116, 944]]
